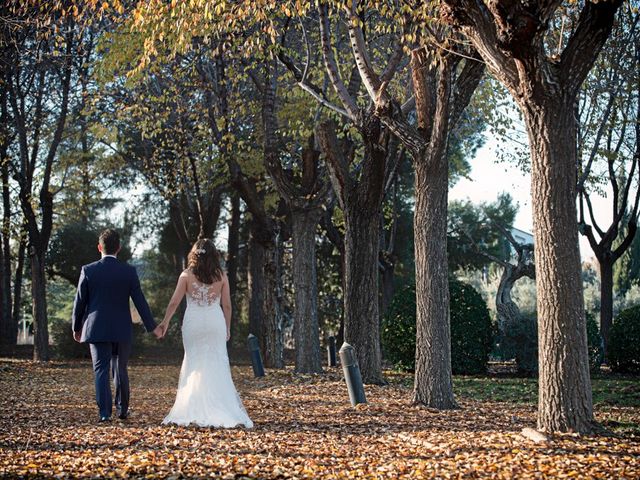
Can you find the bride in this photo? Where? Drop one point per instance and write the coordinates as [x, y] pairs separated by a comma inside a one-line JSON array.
[[206, 394]]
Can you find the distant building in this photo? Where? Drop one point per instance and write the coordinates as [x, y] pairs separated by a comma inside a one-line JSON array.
[[522, 237]]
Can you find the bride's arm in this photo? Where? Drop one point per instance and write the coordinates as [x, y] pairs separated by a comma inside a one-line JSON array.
[[176, 298], [225, 300]]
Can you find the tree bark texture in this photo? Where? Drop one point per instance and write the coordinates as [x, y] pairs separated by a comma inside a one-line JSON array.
[[8, 329], [16, 314], [233, 251], [361, 202], [433, 378], [273, 330], [565, 402], [433, 384], [39, 308], [507, 310], [256, 288], [361, 311], [306, 328]]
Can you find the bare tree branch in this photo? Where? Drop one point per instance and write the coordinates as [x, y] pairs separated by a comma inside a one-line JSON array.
[[332, 66]]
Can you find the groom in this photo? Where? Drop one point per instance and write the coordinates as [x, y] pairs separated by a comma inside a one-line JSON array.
[[102, 317]]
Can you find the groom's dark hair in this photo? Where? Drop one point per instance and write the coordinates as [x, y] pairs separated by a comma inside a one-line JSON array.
[[109, 240]]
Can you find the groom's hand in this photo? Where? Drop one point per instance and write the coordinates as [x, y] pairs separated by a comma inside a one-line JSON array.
[[77, 336]]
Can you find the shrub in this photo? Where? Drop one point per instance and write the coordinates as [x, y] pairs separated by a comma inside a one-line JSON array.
[[399, 329], [64, 344], [624, 341], [471, 329], [594, 342], [519, 340]]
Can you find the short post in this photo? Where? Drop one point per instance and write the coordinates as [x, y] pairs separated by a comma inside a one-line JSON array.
[[256, 359], [352, 374], [331, 352]]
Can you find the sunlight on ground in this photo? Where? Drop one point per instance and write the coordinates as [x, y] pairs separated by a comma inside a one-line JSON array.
[[304, 428]]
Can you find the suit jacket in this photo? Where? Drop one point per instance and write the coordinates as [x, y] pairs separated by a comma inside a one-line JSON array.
[[101, 307]]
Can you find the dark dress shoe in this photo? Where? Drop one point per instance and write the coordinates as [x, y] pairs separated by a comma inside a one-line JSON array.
[[105, 419], [123, 416]]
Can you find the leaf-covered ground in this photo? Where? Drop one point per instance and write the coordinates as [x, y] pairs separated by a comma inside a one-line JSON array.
[[304, 428]]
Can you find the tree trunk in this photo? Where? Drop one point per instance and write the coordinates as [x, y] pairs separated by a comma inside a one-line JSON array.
[[8, 328], [565, 402], [233, 247], [273, 332], [507, 310], [433, 377], [17, 284], [361, 314], [360, 200], [305, 283], [606, 302], [256, 288], [5, 320], [39, 305], [388, 290]]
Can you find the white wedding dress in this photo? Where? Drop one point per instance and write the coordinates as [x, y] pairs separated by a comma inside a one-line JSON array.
[[206, 394]]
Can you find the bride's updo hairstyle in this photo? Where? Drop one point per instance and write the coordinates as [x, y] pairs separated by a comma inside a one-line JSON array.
[[204, 261]]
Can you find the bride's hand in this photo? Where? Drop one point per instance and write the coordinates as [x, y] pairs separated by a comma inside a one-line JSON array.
[[228, 334], [165, 327]]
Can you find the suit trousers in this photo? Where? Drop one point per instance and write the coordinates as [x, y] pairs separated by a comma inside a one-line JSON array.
[[112, 356]]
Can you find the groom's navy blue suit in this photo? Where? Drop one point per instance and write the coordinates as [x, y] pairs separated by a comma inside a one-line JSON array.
[[101, 312]]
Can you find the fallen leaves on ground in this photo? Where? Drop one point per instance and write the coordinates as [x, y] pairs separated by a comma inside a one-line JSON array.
[[304, 428]]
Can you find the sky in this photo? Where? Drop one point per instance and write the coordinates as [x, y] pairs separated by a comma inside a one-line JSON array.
[[489, 177]]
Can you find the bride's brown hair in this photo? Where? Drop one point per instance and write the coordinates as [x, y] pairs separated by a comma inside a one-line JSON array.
[[204, 261]]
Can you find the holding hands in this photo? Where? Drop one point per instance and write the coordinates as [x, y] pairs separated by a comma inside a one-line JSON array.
[[165, 327], [159, 331]]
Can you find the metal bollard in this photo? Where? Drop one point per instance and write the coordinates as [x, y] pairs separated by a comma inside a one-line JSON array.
[[256, 359], [352, 374], [331, 352]]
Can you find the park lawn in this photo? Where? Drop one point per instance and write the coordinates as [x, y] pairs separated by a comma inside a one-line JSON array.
[[304, 428], [609, 391], [623, 391]]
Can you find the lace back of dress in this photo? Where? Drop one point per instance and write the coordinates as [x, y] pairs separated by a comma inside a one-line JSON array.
[[203, 295]]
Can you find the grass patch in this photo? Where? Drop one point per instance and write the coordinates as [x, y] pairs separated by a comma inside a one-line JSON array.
[[485, 389], [608, 389], [614, 390]]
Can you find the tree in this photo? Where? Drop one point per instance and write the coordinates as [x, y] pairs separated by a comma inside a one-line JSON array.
[[360, 194], [473, 227], [305, 202], [161, 124], [443, 83], [8, 328], [545, 80], [627, 270], [610, 136], [41, 64], [359, 169]]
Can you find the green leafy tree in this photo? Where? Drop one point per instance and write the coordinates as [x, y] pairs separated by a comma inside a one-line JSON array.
[[609, 148], [473, 228]]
